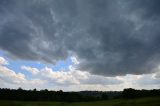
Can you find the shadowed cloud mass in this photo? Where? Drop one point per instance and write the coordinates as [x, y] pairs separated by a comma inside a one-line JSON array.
[[108, 37]]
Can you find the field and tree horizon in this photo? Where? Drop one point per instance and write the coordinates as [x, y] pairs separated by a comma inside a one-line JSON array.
[[74, 96]]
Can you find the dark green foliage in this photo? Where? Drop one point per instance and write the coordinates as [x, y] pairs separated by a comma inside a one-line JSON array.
[[44, 95], [83, 96], [133, 93]]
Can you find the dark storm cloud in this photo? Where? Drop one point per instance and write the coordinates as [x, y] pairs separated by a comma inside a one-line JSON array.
[[109, 37]]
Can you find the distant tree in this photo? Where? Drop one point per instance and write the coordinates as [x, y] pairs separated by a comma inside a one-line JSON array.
[[20, 89], [60, 90], [34, 89], [129, 93]]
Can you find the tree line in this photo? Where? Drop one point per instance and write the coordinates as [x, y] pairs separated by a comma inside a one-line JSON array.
[[46, 95], [131, 93]]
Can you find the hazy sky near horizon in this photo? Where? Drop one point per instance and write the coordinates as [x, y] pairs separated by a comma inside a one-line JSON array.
[[80, 44]]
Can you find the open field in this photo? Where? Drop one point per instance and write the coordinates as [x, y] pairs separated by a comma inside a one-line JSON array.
[[150, 101]]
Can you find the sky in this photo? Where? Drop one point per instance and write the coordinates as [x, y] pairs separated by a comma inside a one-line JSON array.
[[76, 45]]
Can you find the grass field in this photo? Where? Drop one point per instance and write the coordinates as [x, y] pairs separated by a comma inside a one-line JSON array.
[[150, 101]]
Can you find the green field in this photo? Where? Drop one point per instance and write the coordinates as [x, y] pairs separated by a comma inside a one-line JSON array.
[[150, 101]]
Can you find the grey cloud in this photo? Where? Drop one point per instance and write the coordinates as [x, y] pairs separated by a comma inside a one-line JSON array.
[[148, 80], [147, 8], [101, 80], [109, 37]]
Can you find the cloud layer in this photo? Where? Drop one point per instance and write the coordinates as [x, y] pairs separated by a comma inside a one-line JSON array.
[[71, 80], [9, 78], [108, 37], [50, 79], [70, 77]]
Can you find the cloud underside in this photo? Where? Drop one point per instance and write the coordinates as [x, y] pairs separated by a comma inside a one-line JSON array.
[[107, 37]]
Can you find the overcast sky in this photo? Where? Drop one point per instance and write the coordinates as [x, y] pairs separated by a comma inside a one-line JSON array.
[[80, 44]]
